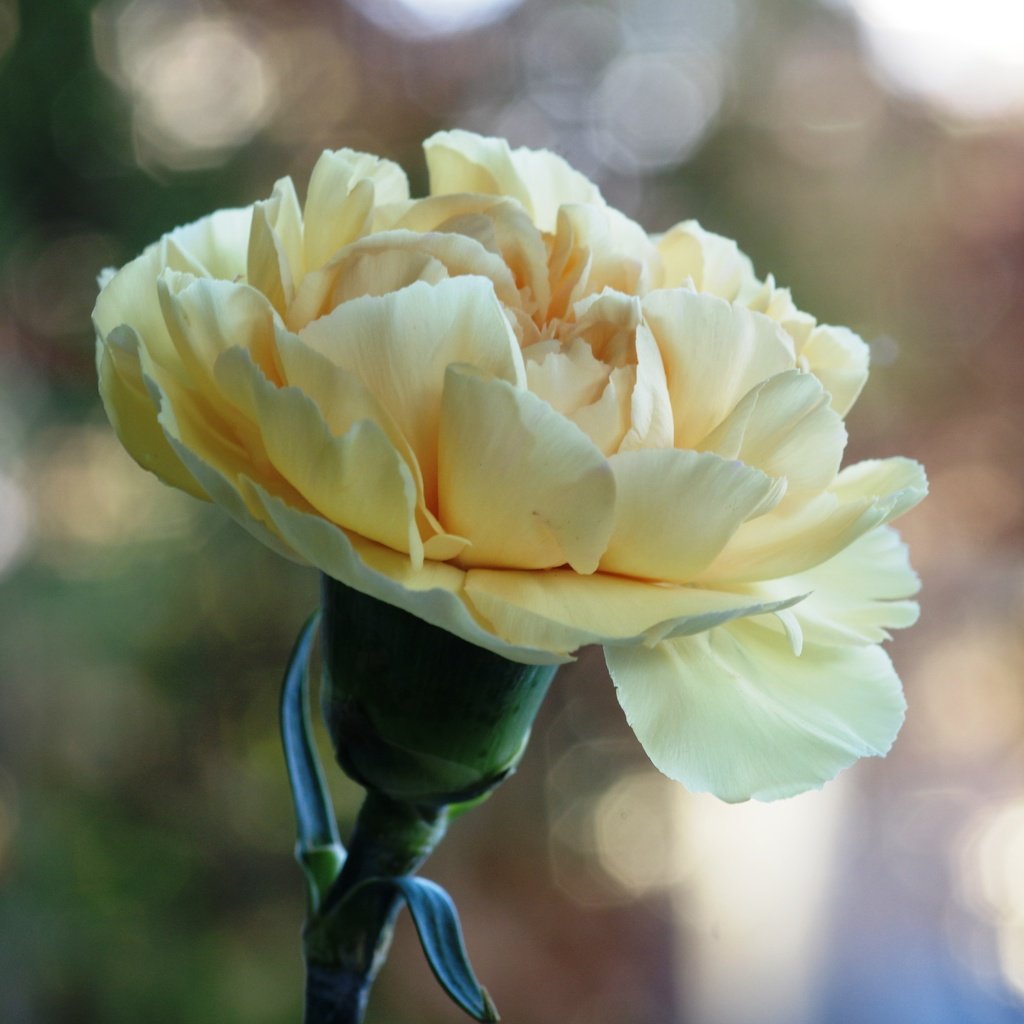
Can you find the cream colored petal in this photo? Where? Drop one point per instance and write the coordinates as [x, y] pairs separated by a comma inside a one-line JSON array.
[[562, 610], [400, 345], [343, 401], [786, 428], [857, 596], [839, 359], [712, 262], [552, 183], [297, 452], [386, 216], [174, 257], [608, 322], [285, 215], [568, 271], [130, 297], [357, 479], [569, 379], [219, 434], [897, 484], [432, 593], [651, 420], [713, 353], [786, 542], [501, 226], [205, 317], [438, 212], [525, 485], [676, 510], [276, 264], [460, 161], [219, 465], [875, 567], [459, 254], [733, 712], [324, 289], [239, 499], [390, 184], [789, 541], [334, 218], [343, 189], [383, 272], [619, 254], [215, 245], [779, 305], [133, 413], [507, 231], [441, 546], [218, 243], [606, 421]]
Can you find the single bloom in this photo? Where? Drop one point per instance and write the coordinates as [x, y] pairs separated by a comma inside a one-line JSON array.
[[508, 410]]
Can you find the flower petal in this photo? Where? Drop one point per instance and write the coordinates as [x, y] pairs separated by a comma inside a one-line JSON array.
[[218, 243], [357, 479], [857, 596], [714, 353], [217, 462], [132, 412], [788, 541], [839, 359], [341, 398], [432, 592], [786, 428], [400, 345], [343, 401], [205, 317], [734, 712], [130, 298], [606, 421], [712, 262], [597, 248], [607, 322], [562, 610], [676, 510], [238, 497], [214, 245], [460, 161], [501, 226], [343, 189], [552, 183], [568, 378], [323, 290], [524, 484], [898, 484], [275, 263], [651, 420]]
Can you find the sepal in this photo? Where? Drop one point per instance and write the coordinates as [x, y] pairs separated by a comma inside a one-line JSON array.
[[416, 713]]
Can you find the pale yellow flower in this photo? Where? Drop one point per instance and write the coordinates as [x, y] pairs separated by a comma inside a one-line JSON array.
[[508, 410]]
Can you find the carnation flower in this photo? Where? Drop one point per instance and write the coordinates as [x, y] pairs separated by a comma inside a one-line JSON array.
[[508, 410]]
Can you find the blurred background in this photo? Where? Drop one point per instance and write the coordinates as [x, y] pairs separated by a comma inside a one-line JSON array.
[[869, 153]]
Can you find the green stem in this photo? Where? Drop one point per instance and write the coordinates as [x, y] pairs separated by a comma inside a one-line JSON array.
[[347, 940]]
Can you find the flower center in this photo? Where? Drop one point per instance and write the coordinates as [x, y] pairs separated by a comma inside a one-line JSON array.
[[586, 370]]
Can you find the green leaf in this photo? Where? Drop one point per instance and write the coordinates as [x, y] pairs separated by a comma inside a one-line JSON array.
[[437, 924], [319, 849]]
